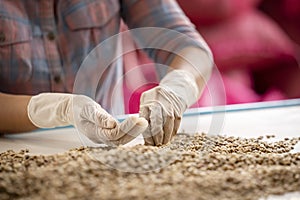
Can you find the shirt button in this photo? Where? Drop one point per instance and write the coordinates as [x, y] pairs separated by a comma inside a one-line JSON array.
[[51, 36], [57, 79], [2, 37]]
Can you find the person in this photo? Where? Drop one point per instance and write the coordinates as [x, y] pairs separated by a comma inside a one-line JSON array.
[[44, 43]]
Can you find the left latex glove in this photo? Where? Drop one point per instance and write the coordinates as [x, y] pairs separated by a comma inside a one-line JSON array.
[[164, 105], [49, 110]]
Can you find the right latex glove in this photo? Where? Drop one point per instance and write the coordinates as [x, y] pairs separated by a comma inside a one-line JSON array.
[[49, 110], [163, 106]]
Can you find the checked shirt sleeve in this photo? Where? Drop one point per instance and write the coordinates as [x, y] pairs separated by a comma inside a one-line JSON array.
[[173, 30]]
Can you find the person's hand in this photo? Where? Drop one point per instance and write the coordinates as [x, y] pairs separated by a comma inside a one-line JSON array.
[[49, 110], [164, 105]]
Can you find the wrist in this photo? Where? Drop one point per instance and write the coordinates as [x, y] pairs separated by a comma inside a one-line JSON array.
[[183, 84], [49, 110]]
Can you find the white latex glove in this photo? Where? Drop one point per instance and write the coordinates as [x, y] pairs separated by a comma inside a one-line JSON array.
[[49, 110], [164, 105]]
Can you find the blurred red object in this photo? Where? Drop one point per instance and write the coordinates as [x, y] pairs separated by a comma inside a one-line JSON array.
[[207, 12], [286, 13], [252, 40], [251, 45]]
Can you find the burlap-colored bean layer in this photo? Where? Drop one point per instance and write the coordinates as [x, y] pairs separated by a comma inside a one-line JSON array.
[[191, 167]]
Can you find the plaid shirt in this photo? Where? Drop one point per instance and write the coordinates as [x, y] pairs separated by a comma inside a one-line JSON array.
[[44, 42]]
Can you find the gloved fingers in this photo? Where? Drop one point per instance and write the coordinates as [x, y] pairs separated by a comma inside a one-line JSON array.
[[131, 128], [168, 128], [105, 120], [145, 113], [92, 126], [177, 122], [97, 115], [148, 137], [95, 133], [122, 134], [156, 124]]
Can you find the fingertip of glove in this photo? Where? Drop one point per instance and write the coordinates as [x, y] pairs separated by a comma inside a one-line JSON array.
[[139, 121], [142, 122], [149, 143], [111, 123]]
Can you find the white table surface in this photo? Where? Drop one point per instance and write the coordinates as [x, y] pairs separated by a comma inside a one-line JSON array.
[[280, 118]]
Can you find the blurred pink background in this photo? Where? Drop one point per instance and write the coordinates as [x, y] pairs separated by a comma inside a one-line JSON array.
[[255, 44]]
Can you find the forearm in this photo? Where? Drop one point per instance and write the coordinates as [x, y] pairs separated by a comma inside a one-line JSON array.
[[196, 61], [13, 114]]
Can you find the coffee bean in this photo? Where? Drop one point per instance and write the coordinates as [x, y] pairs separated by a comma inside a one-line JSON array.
[[190, 167]]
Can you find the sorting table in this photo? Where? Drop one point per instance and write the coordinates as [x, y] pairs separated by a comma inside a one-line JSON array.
[[279, 118]]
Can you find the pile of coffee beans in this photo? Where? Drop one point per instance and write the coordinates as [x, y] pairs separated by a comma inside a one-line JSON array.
[[190, 167]]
